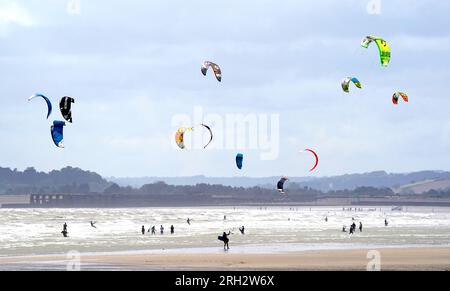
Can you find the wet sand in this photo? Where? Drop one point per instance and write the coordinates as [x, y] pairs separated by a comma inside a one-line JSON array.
[[408, 259]]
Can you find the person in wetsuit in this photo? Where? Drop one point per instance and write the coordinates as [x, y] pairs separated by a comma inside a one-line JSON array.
[[64, 231], [172, 229], [93, 224], [153, 230], [188, 221], [226, 240], [162, 229], [386, 222], [360, 226], [242, 230], [143, 230]]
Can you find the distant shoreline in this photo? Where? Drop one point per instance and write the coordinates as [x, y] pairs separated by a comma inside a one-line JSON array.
[[326, 202]]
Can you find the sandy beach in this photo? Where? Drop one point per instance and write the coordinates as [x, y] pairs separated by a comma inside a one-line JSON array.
[[409, 259]]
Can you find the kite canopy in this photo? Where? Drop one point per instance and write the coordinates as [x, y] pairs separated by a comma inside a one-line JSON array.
[[179, 136], [397, 96], [346, 84], [210, 133], [383, 48], [239, 160], [216, 69], [49, 104], [316, 157], [280, 184], [57, 133], [65, 105]]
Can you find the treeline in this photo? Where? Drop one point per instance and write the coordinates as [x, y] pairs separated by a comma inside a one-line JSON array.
[[161, 188], [77, 181], [66, 180]]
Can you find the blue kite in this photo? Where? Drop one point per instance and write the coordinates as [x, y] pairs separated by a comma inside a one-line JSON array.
[[57, 133], [49, 104], [239, 161]]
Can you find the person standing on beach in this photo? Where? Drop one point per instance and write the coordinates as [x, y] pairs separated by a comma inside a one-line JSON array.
[[226, 240], [143, 230], [242, 230], [224, 217], [386, 222], [326, 219], [172, 229], [162, 229], [153, 230], [360, 226], [188, 221]]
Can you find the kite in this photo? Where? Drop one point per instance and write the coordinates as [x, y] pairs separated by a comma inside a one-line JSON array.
[[65, 105], [397, 96], [346, 84], [239, 160], [216, 69], [383, 48], [179, 135], [280, 184], [49, 104], [57, 133], [316, 163]]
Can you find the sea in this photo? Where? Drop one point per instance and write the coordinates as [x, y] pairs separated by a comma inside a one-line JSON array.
[[36, 232]]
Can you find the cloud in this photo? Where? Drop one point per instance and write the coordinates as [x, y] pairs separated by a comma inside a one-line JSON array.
[[13, 13]]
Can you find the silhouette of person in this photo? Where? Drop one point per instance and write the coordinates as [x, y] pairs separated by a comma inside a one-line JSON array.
[[226, 240]]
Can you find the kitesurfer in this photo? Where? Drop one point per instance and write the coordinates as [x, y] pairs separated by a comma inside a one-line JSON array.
[[64, 231], [93, 224], [153, 230], [226, 240]]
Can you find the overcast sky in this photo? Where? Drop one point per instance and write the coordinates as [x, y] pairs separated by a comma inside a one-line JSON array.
[[132, 66]]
